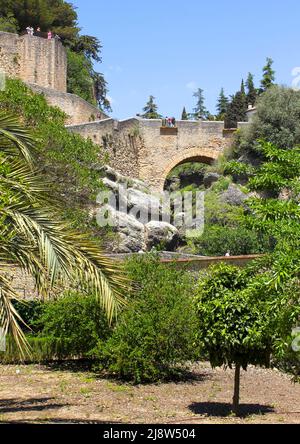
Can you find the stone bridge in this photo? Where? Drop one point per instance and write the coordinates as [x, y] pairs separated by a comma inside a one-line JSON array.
[[143, 149]]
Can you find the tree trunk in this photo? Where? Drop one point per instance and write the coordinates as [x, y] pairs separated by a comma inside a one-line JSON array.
[[236, 396]]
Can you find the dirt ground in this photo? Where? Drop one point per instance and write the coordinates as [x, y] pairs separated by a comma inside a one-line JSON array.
[[64, 394]]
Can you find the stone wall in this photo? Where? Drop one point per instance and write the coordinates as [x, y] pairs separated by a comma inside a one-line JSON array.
[[77, 109], [34, 60], [9, 54], [22, 283], [142, 149], [120, 143]]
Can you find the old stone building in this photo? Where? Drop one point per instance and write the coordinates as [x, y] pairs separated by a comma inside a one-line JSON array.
[[42, 65]]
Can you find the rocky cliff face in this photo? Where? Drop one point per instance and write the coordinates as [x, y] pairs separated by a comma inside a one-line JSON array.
[[128, 214]]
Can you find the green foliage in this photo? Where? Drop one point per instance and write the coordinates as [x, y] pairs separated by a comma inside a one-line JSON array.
[[41, 350], [79, 76], [281, 169], [151, 109], [268, 75], [222, 105], [236, 111], [155, 332], [66, 159], [238, 169], [200, 111], [217, 240], [188, 168], [277, 120], [251, 90], [8, 24], [184, 115], [57, 15], [30, 312], [75, 320], [236, 317]]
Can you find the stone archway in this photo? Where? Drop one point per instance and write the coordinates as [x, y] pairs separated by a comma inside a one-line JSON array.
[[203, 155]]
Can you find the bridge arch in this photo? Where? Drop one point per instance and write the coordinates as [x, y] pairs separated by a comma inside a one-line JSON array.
[[203, 155]]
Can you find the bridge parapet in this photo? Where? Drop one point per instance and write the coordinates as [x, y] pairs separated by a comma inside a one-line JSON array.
[[138, 147]]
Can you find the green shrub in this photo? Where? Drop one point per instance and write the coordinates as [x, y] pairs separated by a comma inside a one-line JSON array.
[[217, 240], [76, 321], [154, 335], [41, 350], [30, 312]]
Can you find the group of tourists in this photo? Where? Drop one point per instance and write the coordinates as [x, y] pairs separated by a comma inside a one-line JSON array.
[[38, 33], [170, 122]]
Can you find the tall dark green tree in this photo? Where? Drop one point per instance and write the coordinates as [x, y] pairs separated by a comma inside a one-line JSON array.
[[243, 90], [200, 111], [151, 109], [222, 105], [184, 115], [268, 75], [251, 90], [236, 110]]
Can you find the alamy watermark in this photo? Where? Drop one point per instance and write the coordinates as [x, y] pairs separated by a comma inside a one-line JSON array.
[[2, 80], [296, 78], [296, 339], [121, 207], [2, 340]]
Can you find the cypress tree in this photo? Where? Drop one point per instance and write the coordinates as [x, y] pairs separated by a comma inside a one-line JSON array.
[[236, 110], [184, 115], [251, 90]]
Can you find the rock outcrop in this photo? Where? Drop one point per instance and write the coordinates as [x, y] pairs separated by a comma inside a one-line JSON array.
[[135, 216]]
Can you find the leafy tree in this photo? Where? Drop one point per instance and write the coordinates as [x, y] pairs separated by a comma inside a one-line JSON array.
[[277, 120], [151, 109], [184, 115], [251, 90], [33, 237], [268, 75], [222, 105], [57, 15], [239, 318], [79, 80], [200, 112], [8, 24], [154, 337]]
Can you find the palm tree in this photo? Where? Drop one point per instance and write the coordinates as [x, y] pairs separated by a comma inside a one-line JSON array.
[[33, 237]]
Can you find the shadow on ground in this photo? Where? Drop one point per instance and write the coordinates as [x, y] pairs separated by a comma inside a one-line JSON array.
[[28, 405], [59, 421], [179, 376], [222, 409]]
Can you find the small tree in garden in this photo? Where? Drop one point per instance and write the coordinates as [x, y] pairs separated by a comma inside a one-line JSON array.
[[237, 320]]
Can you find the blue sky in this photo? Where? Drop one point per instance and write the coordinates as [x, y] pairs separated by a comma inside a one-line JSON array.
[[169, 48]]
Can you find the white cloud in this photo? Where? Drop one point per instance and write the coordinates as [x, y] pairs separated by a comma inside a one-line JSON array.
[[192, 85]]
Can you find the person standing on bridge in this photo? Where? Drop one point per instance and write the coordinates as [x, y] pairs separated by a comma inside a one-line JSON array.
[[49, 35]]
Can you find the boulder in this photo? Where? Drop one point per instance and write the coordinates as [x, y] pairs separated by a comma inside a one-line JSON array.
[[161, 233], [234, 196], [131, 233]]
